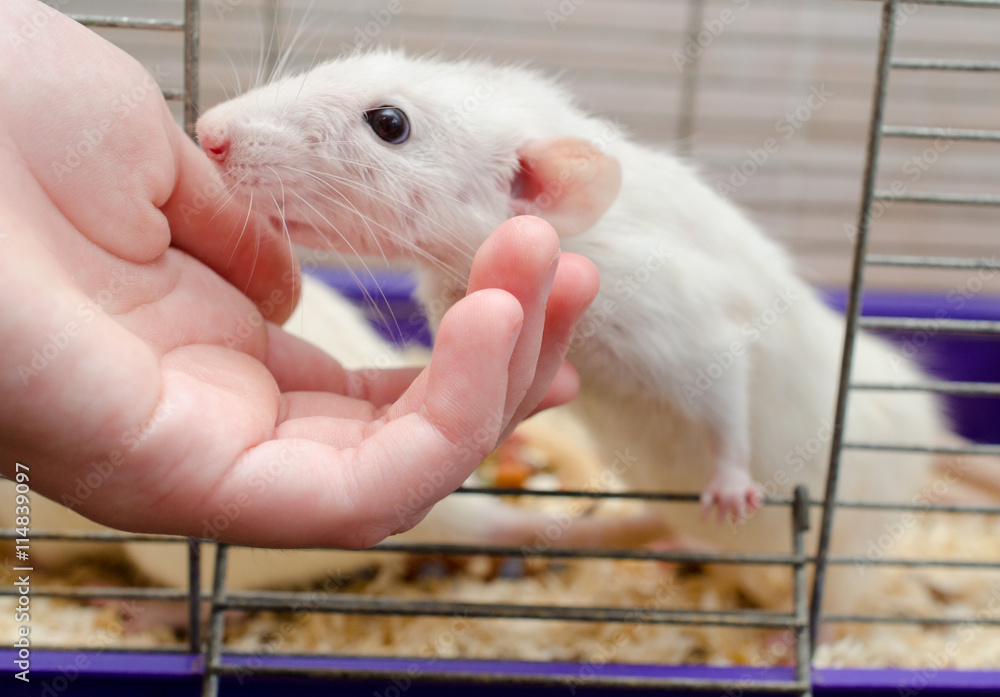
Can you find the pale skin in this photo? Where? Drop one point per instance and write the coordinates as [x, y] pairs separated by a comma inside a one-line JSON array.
[[136, 359]]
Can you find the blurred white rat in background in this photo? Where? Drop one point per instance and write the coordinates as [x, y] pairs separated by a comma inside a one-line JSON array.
[[705, 360]]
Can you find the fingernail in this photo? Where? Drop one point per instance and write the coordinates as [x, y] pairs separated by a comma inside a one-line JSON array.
[[550, 279]]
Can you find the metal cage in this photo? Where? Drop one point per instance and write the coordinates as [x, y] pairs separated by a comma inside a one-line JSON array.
[[212, 663]]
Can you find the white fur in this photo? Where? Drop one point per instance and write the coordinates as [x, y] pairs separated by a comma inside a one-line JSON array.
[[701, 276]]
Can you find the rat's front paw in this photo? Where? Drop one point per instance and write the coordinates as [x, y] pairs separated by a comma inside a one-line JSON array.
[[735, 493]]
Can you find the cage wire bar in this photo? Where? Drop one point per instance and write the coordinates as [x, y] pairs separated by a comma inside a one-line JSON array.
[[689, 81], [870, 195]]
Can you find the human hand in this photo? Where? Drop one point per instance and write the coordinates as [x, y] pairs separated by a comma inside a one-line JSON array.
[[143, 385]]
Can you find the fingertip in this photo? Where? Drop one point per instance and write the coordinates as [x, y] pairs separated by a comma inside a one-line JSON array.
[[522, 242], [489, 310], [564, 388], [467, 379], [580, 274]]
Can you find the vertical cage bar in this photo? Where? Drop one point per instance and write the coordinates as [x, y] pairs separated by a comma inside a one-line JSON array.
[[192, 40], [888, 25], [689, 80], [194, 598], [800, 524], [271, 21], [213, 651]]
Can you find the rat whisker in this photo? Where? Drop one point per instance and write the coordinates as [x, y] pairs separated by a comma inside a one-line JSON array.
[[266, 50], [465, 252], [293, 49], [430, 186], [465, 249], [362, 262], [243, 230], [229, 194], [360, 186], [371, 275], [399, 239], [284, 227]]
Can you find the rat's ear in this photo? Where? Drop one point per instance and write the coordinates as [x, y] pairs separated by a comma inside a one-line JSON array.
[[566, 181]]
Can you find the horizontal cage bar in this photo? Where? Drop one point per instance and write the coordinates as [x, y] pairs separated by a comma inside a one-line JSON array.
[[984, 450], [970, 509], [917, 563], [109, 22], [934, 262], [946, 133], [367, 605], [746, 558], [939, 198], [948, 326], [937, 387], [981, 4], [575, 681], [935, 621], [941, 64]]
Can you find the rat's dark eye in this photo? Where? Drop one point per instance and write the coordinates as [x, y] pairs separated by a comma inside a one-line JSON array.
[[389, 123]]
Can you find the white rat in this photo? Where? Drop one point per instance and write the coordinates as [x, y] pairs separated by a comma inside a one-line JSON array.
[[707, 365]]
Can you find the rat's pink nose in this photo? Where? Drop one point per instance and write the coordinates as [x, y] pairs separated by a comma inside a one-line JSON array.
[[215, 146]]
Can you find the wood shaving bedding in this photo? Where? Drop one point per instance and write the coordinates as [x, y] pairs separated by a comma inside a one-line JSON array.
[[895, 591], [599, 583]]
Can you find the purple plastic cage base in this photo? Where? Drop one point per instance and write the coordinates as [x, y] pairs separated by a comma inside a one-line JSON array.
[[54, 672], [385, 294]]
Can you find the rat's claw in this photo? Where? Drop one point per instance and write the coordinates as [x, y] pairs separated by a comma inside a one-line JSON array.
[[734, 492]]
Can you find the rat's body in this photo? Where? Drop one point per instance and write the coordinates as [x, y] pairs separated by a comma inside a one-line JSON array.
[[706, 363]]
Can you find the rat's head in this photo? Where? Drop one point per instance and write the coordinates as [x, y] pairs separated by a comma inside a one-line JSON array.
[[383, 154]]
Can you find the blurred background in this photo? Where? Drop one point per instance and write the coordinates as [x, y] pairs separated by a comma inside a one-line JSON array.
[[770, 98]]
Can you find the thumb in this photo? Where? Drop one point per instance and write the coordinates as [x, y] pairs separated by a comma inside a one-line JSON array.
[[208, 223]]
